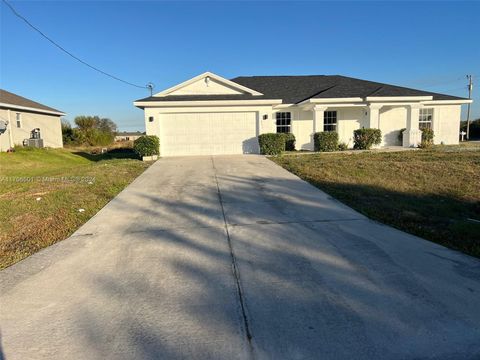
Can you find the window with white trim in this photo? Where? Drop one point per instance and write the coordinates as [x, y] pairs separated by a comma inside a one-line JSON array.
[[284, 121], [425, 118], [18, 118], [329, 121]]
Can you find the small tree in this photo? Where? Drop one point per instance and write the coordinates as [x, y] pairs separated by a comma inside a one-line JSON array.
[[427, 138], [85, 122], [106, 125], [93, 130], [68, 135]]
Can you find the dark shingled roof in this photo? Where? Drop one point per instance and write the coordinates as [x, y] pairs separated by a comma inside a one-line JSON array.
[[13, 99], [295, 89]]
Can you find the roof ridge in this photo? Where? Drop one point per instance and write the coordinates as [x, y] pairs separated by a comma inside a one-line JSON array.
[[374, 91], [317, 93]]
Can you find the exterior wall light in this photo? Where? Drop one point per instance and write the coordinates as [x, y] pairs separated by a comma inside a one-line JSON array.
[[150, 118], [265, 117]]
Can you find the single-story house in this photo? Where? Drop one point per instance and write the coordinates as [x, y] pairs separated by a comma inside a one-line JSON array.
[[209, 115], [26, 122], [128, 136]]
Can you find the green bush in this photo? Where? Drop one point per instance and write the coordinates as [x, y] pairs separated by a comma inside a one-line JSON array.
[[325, 141], [271, 143], [364, 139], [400, 136], [427, 138], [342, 146], [289, 141], [147, 145]]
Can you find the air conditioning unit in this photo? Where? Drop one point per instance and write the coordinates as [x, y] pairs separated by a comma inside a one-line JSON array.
[[35, 139], [38, 143]]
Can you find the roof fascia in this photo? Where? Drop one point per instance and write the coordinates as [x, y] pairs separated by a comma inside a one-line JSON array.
[[398, 98], [26, 108], [144, 104]]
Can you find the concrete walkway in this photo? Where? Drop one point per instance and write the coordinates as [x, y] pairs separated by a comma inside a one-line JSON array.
[[235, 258]]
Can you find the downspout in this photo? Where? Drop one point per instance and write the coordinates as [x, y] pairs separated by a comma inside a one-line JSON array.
[[10, 135]]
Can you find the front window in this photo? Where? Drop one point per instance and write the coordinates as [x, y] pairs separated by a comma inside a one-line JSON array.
[[425, 119], [284, 120], [18, 118], [330, 121]]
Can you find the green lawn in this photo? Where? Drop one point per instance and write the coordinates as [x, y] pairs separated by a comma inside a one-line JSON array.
[[429, 193], [42, 190]]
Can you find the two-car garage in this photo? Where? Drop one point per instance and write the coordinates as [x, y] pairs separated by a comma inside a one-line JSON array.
[[208, 133]]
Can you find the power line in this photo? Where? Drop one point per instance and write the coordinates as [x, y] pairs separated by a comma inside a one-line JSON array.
[[68, 52]]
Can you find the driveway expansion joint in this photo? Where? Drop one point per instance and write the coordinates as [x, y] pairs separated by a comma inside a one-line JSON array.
[[266, 222], [235, 270]]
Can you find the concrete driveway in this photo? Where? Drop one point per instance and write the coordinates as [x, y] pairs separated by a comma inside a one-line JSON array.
[[235, 258]]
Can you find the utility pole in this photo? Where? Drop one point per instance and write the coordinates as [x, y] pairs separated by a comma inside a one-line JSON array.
[[470, 88]]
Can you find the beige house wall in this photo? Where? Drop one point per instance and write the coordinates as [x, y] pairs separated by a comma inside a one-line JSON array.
[[49, 125]]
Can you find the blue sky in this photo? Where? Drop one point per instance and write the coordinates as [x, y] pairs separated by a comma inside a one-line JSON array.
[[427, 45]]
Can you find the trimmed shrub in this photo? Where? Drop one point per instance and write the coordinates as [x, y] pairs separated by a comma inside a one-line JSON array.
[[427, 138], [271, 143], [400, 136], [342, 146], [325, 141], [289, 141], [364, 139], [147, 145]]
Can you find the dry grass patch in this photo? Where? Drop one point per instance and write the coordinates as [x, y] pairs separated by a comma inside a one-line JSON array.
[[42, 191]]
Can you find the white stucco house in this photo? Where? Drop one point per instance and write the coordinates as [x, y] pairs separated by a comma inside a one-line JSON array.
[[210, 115], [26, 122]]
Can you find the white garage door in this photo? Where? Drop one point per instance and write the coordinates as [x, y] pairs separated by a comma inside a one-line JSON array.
[[208, 133]]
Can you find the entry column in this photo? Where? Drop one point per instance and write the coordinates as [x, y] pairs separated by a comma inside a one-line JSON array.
[[374, 116], [318, 112], [412, 136]]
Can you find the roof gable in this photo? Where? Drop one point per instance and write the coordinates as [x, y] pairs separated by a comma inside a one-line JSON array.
[[208, 84]]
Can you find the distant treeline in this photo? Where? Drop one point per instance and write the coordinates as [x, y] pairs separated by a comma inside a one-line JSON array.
[[89, 130]]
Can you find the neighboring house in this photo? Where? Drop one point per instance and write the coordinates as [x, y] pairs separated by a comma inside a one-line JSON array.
[[128, 136], [27, 119], [212, 115]]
